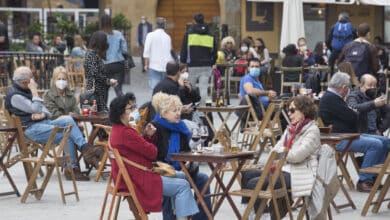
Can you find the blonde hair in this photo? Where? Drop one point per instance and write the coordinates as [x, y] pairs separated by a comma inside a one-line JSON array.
[[227, 39], [78, 41], [57, 71], [163, 102]]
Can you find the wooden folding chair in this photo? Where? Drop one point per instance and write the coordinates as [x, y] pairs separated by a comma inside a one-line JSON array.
[[383, 172], [103, 161], [269, 194], [112, 189], [290, 70], [52, 157]]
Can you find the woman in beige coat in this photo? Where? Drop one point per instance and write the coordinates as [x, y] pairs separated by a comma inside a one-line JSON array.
[[302, 138]]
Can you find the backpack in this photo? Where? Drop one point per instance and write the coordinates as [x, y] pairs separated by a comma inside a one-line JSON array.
[[358, 54], [313, 82], [342, 34], [241, 69]]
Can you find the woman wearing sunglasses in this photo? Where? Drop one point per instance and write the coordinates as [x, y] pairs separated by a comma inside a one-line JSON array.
[[302, 139]]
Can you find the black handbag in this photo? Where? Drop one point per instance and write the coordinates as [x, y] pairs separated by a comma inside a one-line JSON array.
[[87, 98], [129, 62]]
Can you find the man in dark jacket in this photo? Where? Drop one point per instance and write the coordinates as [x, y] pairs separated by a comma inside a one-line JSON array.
[[174, 85], [364, 100], [335, 111], [336, 43], [361, 53], [144, 27], [199, 51]]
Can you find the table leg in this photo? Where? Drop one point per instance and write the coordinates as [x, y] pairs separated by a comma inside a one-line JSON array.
[[93, 134], [225, 189], [196, 190], [212, 128]]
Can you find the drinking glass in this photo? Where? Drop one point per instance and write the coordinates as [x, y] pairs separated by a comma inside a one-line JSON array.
[[204, 134], [294, 89], [234, 142], [196, 137]]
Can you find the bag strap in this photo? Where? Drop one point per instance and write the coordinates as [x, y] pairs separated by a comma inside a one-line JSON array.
[[129, 162]]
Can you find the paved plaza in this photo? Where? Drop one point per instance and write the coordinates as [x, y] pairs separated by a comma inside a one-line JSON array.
[[91, 193]]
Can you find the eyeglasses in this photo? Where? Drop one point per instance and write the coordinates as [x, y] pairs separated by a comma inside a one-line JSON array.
[[291, 110], [132, 107], [229, 42]]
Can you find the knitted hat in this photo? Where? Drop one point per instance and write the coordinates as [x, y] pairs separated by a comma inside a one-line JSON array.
[[199, 18]]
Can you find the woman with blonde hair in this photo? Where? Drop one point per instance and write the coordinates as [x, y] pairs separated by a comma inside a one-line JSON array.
[[79, 48], [60, 99], [173, 136], [227, 47]]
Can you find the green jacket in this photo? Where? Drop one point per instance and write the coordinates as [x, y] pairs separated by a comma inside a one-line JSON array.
[[58, 105]]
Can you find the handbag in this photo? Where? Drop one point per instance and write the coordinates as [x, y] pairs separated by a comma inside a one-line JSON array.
[[87, 98], [129, 62]]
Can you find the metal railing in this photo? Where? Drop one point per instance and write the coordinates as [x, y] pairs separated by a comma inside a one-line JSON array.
[[41, 65]]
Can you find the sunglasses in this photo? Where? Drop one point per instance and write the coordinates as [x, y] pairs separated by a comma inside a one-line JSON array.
[[291, 110]]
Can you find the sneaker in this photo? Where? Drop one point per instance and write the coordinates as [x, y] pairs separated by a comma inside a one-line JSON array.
[[79, 176]]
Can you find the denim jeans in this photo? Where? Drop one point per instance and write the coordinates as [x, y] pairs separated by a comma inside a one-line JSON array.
[[40, 132], [200, 75], [154, 78], [200, 181], [375, 150], [180, 191]]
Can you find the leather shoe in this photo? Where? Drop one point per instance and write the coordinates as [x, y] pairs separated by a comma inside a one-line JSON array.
[[365, 186]]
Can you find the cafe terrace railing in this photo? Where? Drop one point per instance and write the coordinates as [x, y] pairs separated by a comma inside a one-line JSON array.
[[41, 65]]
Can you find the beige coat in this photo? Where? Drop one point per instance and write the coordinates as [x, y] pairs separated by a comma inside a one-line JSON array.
[[302, 159]]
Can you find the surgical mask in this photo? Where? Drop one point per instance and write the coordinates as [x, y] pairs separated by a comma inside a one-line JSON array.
[[61, 84], [184, 75], [143, 21], [371, 93], [244, 49], [303, 48], [135, 115], [254, 71]]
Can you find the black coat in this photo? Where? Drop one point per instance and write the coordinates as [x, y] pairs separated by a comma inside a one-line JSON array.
[[359, 101], [161, 140], [335, 111]]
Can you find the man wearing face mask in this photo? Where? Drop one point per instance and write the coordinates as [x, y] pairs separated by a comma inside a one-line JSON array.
[[364, 99], [250, 84], [333, 110]]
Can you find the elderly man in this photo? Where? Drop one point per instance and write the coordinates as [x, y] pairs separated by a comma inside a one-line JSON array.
[[334, 110], [364, 99], [22, 100]]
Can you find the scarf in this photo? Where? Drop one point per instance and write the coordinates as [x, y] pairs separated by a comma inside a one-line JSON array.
[[293, 130], [174, 139]]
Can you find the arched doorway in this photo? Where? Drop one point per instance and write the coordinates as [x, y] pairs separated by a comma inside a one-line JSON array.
[[180, 12]]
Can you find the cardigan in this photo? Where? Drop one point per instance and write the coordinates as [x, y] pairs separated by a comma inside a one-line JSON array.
[[302, 159]]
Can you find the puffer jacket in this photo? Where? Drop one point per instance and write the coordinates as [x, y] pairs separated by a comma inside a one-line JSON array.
[[302, 159]]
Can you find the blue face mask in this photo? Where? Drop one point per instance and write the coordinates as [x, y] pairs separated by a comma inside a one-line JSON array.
[[254, 71], [135, 115]]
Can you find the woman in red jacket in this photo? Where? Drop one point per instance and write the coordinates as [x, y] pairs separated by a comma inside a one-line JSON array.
[[149, 187]]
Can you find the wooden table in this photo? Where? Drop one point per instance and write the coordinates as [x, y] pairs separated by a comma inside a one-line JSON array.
[[216, 162], [333, 139], [100, 118], [224, 119], [12, 132]]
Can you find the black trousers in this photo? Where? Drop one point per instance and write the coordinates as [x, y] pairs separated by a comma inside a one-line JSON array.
[[116, 71], [334, 56], [249, 181]]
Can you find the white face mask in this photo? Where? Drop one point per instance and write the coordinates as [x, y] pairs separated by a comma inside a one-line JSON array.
[[244, 49], [184, 75], [303, 48], [134, 116], [61, 84]]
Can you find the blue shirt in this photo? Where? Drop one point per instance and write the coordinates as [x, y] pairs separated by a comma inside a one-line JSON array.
[[256, 84], [117, 46]]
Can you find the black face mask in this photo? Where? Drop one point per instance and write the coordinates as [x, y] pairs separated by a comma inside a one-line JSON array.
[[371, 93]]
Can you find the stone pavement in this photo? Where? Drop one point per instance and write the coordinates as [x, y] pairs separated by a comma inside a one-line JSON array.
[[91, 193]]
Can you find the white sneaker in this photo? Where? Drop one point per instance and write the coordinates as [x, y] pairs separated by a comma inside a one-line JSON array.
[[266, 216]]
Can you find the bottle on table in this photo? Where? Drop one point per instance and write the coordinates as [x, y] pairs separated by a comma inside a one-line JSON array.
[[94, 108]]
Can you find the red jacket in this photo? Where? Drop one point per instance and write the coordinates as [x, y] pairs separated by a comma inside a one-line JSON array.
[[131, 145]]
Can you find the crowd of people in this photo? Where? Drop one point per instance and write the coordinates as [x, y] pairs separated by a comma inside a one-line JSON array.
[[176, 84]]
